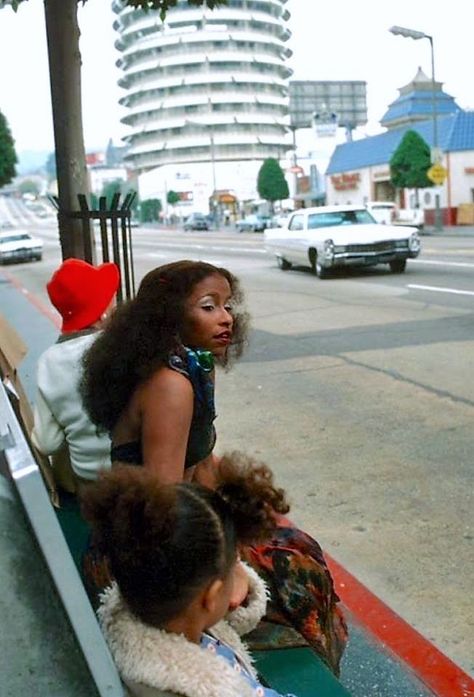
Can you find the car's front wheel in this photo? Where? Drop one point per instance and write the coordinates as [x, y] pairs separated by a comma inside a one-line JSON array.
[[320, 271], [398, 266], [283, 264]]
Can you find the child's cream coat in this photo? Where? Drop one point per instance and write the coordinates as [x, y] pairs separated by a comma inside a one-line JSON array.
[[153, 662]]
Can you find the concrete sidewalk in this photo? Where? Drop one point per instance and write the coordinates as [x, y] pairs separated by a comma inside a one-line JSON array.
[[449, 231], [369, 669]]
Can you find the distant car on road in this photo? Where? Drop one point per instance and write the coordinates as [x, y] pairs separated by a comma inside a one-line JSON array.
[[196, 221], [17, 245], [252, 223], [328, 237]]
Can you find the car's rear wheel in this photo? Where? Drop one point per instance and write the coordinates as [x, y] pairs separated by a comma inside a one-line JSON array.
[[316, 267], [398, 266], [283, 264]]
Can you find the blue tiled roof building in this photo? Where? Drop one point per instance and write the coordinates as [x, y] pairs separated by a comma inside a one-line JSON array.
[[455, 132], [411, 111], [369, 158]]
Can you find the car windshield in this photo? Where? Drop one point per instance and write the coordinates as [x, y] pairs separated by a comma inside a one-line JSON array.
[[333, 218], [14, 238]]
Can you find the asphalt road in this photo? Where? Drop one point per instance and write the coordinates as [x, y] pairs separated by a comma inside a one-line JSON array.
[[359, 392]]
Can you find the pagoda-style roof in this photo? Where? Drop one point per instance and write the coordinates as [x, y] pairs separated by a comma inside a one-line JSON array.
[[415, 103]]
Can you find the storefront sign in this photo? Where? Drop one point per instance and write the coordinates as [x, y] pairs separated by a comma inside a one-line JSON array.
[[343, 182], [381, 176]]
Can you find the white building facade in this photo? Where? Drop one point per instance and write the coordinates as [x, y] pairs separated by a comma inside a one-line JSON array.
[[205, 87]]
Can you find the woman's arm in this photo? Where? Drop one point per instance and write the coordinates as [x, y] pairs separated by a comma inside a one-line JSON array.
[[166, 410], [205, 471]]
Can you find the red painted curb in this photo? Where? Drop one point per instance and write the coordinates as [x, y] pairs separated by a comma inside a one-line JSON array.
[[431, 666], [44, 309]]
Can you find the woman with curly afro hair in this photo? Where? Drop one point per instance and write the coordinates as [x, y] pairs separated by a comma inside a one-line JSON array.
[[149, 377]]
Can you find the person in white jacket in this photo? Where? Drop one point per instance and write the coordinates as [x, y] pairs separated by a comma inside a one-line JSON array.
[[82, 294], [172, 549]]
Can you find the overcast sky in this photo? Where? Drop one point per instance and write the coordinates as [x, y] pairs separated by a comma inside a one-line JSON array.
[[344, 40]]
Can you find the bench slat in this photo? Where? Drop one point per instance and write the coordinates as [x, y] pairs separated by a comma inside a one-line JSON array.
[[298, 671]]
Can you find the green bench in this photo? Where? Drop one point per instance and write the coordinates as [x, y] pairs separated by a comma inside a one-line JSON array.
[[288, 670], [298, 671]]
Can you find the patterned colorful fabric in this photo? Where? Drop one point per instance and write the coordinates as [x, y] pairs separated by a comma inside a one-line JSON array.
[[302, 591]]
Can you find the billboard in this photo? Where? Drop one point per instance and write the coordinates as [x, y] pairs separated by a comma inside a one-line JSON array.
[[311, 101]]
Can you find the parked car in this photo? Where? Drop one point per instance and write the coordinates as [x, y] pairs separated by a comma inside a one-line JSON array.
[[387, 212], [196, 221], [252, 223], [279, 220], [17, 245], [329, 237], [410, 216], [384, 212]]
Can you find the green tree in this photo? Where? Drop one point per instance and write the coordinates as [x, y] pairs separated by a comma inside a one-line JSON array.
[[50, 166], [28, 186], [271, 182], [172, 197], [62, 31], [110, 189], [8, 158], [150, 210], [410, 163]]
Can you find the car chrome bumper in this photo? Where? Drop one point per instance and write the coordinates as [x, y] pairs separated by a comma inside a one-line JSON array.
[[367, 258], [20, 255]]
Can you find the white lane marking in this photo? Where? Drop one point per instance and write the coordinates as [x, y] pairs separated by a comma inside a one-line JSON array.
[[207, 247], [465, 265], [240, 249], [208, 260], [437, 289], [5, 210], [214, 262]]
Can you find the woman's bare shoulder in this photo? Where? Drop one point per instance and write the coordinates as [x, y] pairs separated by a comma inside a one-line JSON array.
[[167, 383]]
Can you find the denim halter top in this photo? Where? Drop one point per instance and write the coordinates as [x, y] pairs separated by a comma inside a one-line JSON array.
[[197, 366]]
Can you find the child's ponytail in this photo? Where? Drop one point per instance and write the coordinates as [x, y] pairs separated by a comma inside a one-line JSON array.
[[247, 486]]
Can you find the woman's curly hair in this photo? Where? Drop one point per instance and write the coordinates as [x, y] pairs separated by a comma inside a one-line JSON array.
[[142, 332], [165, 542]]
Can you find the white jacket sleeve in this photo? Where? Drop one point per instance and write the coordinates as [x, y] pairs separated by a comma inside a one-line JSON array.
[[47, 435], [246, 617]]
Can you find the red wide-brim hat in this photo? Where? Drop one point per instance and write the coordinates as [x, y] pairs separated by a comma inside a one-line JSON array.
[[81, 292]]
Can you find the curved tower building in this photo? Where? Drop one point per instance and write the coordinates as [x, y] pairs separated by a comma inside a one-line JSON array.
[[205, 85]]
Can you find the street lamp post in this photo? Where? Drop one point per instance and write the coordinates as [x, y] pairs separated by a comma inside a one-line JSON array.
[[435, 156], [208, 127]]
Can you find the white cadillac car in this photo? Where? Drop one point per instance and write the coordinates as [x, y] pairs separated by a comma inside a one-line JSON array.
[[18, 245], [331, 237]]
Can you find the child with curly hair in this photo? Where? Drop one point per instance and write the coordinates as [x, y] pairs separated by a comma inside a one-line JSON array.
[[172, 550]]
